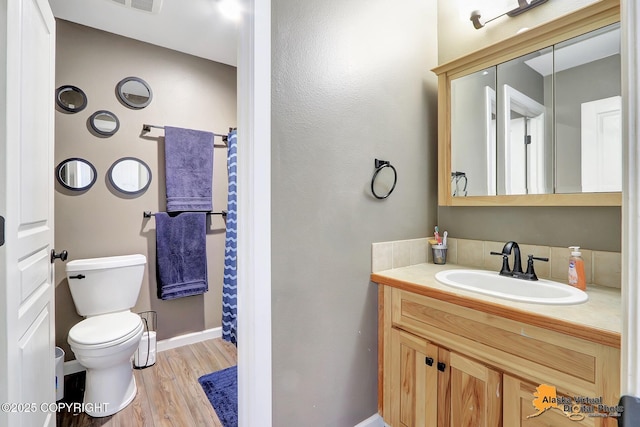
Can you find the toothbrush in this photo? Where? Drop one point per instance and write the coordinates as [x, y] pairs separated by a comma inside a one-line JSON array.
[[444, 238], [436, 235]]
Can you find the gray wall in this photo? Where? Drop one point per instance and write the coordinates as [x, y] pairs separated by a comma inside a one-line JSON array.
[[187, 92], [351, 82], [555, 226]]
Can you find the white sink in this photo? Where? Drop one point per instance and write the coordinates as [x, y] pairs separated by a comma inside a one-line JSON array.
[[491, 283]]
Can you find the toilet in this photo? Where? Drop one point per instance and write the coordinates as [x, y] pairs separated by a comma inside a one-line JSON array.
[[104, 290]]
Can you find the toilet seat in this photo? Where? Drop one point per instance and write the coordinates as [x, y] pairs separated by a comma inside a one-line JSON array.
[[105, 330]]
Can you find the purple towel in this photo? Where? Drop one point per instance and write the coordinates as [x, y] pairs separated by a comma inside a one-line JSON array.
[[181, 254], [189, 169]]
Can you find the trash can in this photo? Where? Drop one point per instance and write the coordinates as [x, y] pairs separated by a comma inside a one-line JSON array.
[[59, 367], [145, 355]]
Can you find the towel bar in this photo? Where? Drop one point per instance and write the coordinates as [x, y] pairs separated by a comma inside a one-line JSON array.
[[147, 128], [148, 214]]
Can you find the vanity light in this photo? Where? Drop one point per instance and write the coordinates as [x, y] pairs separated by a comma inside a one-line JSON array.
[[523, 6], [230, 9]]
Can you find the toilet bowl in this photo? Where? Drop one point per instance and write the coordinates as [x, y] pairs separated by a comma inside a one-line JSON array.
[[104, 290]]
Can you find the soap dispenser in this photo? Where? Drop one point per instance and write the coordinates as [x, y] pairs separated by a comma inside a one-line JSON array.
[[576, 269]]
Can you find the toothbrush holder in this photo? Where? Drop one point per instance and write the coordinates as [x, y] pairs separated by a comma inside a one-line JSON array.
[[439, 254]]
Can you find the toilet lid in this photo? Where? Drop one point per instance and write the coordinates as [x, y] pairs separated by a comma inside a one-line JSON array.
[[105, 328]]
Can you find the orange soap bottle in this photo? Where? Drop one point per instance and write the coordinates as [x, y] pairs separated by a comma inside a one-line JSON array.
[[576, 269]]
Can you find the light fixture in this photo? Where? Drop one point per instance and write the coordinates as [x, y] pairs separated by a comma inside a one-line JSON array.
[[523, 6], [230, 9]]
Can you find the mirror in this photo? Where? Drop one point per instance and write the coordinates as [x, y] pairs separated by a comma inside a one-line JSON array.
[[71, 98], [134, 92], [130, 175], [525, 137], [477, 127], [76, 174], [535, 119], [589, 116], [104, 123]]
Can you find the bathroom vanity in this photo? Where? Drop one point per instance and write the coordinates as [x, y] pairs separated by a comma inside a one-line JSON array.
[[449, 357]]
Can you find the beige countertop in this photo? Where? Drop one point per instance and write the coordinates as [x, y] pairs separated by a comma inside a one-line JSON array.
[[599, 319]]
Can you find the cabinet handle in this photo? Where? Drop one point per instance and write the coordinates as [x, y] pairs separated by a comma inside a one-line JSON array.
[[441, 366], [428, 361]]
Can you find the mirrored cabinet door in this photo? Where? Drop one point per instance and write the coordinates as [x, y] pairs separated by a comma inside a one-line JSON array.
[[535, 119], [588, 112], [473, 134], [525, 119]]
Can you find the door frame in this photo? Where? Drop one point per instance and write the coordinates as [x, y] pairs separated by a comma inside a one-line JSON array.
[[254, 215], [630, 353]]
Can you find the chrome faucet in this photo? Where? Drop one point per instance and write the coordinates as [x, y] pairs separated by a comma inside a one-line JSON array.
[[512, 246]]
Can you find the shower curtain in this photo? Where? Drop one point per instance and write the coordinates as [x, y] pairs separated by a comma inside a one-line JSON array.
[[229, 285]]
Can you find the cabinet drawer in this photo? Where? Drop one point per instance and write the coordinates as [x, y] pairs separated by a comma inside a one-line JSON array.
[[526, 351]]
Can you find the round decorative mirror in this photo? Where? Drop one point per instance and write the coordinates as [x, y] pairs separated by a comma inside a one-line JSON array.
[[104, 122], [130, 175], [134, 92], [76, 174], [71, 98]]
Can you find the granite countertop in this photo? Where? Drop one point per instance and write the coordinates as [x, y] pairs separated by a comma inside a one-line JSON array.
[[599, 319]]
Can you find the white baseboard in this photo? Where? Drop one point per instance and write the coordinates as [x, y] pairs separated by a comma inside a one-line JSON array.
[[192, 338], [73, 366], [373, 421]]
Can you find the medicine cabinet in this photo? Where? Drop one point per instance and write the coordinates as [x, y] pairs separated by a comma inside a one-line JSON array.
[[535, 120]]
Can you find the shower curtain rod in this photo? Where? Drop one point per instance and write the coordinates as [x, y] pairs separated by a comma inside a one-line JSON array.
[[148, 214], [147, 128]]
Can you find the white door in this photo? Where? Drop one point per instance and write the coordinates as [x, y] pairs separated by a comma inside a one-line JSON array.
[[27, 69], [601, 149]]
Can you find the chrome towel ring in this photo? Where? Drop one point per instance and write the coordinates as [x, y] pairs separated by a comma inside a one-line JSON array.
[[380, 165]]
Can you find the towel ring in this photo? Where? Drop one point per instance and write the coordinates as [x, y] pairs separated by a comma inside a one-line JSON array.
[[381, 164]]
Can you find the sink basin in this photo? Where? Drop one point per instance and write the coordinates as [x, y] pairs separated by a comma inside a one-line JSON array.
[[491, 283]]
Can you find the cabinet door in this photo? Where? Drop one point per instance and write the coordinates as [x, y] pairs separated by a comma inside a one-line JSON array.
[[518, 405], [414, 381], [476, 394]]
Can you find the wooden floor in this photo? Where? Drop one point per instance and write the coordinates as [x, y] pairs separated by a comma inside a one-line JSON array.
[[168, 392]]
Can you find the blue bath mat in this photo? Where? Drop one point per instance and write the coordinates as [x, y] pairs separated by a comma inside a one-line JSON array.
[[221, 388]]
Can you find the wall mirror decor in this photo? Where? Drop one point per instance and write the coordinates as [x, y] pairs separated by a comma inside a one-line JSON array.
[[71, 98], [130, 175], [134, 92], [104, 123], [76, 174], [535, 119]]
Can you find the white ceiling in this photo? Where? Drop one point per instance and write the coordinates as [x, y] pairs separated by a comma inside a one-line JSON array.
[[195, 27], [569, 55]]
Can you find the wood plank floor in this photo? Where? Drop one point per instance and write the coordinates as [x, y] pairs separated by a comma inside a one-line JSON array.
[[168, 392]]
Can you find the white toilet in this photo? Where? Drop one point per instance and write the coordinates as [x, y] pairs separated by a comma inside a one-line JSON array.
[[104, 290]]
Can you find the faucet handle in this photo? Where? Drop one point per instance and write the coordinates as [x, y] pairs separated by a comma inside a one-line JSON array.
[[505, 270], [531, 274], [539, 258]]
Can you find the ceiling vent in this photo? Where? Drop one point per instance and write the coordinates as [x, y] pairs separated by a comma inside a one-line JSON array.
[[151, 6]]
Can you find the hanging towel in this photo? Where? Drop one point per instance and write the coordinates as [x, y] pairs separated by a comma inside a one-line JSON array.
[[229, 282], [189, 169], [181, 254]]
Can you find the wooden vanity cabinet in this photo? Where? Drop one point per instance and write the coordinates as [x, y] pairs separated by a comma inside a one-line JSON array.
[[438, 388], [445, 365]]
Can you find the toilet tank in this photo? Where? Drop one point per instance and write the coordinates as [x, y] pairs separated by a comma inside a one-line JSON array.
[[105, 285]]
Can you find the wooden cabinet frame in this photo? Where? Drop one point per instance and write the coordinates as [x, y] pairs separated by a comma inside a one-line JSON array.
[[587, 19]]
